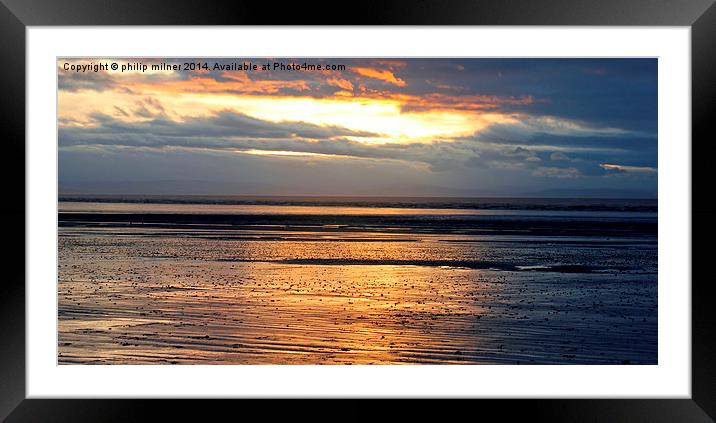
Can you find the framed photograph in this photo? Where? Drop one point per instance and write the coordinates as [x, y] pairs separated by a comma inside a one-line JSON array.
[[484, 201]]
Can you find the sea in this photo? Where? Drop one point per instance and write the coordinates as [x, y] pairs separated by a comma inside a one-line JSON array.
[[356, 280]]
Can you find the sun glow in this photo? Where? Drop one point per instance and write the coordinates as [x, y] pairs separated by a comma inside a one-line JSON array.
[[382, 121], [382, 118], [374, 115]]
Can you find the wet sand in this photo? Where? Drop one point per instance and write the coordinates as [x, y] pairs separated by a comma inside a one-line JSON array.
[[165, 293]]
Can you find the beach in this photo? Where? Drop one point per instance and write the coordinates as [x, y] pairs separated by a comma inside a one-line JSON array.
[[357, 281]]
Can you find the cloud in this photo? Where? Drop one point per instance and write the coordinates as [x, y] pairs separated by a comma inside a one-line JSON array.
[[558, 156], [379, 74], [615, 168], [147, 107], [340, 83], [557, 172], [440, 101], [523, 128], [94, 81], [561, 126], [227, 131], [522, 153], [222, 124], [226, 83], [120, 111], [230, 131], [548, 118]]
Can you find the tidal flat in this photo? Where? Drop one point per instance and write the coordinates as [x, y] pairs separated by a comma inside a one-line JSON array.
[[331, 288]]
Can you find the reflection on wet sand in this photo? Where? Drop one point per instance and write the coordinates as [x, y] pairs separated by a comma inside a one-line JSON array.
[[140, 296]]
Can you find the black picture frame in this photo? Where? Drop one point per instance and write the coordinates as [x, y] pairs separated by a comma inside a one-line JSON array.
[[16, 15]]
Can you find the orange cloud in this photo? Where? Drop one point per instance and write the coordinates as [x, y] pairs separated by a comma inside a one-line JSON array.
[[445, 102], [382, 75], [340, 83]]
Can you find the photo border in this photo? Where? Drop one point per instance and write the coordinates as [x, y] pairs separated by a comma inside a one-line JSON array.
[[16, 15]]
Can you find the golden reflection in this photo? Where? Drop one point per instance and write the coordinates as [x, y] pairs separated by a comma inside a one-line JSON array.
[[216, 312]]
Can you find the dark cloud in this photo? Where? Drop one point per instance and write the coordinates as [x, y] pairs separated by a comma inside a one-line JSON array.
[[75, 81], [558, 156], [584, 120], [235, 132], [224, 124], [618, 93]]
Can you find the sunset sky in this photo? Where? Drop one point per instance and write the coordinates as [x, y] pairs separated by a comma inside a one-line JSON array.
[[438, 127]]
